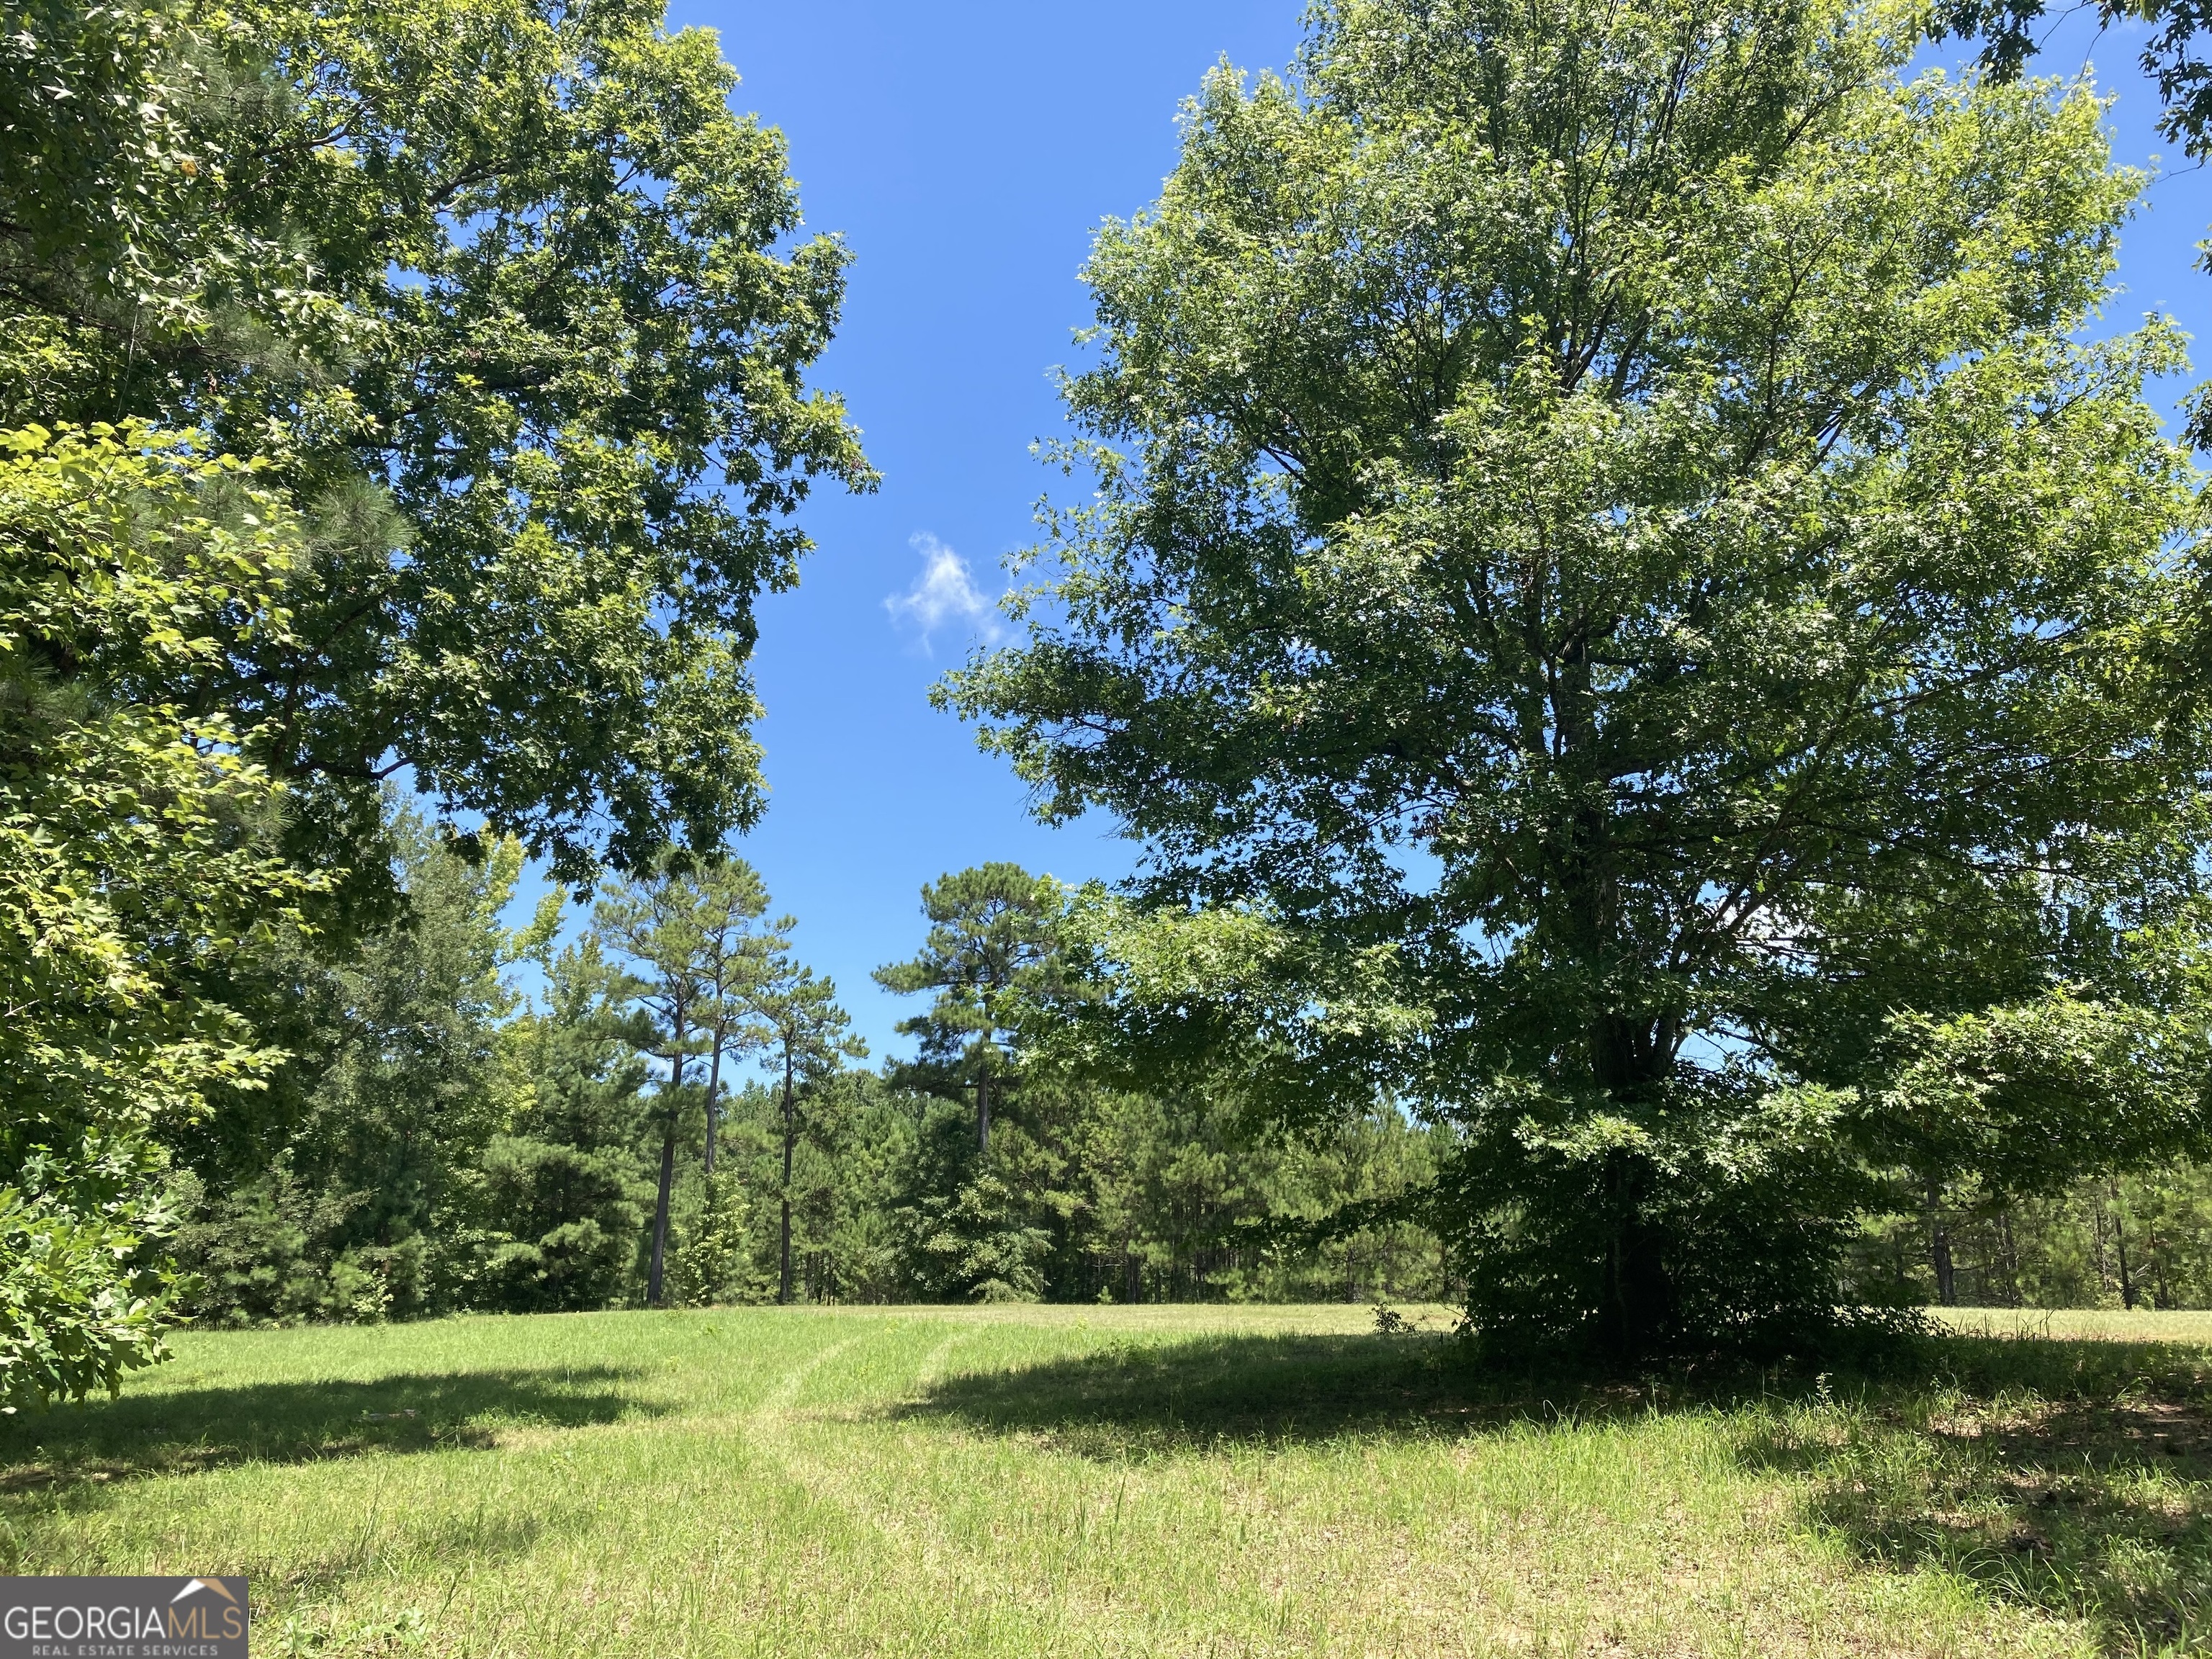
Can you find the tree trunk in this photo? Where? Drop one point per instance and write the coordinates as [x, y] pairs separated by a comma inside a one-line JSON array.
[[1630, 1057], [1939, 1252], [660, 1215], [667, 1165], [713, 1099], [2120, 1247], [983, 1112], [783, 1283], [1636, 1293]]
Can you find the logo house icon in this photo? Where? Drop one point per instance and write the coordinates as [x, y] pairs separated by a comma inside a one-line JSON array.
[[214, 1584], [197, 1613]]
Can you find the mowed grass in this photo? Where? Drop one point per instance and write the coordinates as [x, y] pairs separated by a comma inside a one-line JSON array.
[[1185, 1481]]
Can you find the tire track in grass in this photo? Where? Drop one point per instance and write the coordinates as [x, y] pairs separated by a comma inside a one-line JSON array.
[[979, 1570], [776, 1402], [811, 1579], [770, 1428], [830, 1457], [1286, 1588]]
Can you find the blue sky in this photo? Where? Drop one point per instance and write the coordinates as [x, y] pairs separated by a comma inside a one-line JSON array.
[[966, 152]]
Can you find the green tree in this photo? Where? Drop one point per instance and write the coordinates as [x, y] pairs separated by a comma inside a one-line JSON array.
[[990, 949], [138, 859], [110, 235], [1608, 549], [738, 957], [2022, 1100], [516, 312], [383, 388], [563, 1182], [2173, 56], [1184, 1199], [269, 1252], [971, 1224], [685, 926], [806, 1043], [714, 1264], [862, 1131], [410, 1078]]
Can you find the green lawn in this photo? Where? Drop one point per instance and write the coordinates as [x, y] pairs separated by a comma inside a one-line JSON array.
[[1059, 1480]]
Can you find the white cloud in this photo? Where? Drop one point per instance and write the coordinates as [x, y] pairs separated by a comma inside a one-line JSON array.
[[946, 592]]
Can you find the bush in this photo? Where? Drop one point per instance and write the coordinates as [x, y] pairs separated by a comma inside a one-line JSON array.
[[262, 1254], [1717, 1220]]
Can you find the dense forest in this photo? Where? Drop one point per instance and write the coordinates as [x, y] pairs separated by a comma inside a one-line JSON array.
[[458, 1145], [1657, 657]]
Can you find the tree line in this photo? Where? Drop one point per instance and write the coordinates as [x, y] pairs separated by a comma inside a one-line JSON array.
[[672, 1116], [1655, 651]]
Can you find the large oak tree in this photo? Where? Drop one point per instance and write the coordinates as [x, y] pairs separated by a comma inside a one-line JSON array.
[[1606, 522]]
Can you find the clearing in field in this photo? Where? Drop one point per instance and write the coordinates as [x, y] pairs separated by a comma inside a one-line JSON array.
[[1187, 1482]]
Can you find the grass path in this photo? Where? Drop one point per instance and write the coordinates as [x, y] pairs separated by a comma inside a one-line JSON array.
[[1184, 1481]]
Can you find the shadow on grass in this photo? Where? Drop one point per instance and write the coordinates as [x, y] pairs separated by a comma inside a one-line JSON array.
[[2074, 1477], [77, 1449], [1210, 1392], [1226, 1389]]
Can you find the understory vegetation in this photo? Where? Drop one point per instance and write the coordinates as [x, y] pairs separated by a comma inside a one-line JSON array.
[[529, 1183]]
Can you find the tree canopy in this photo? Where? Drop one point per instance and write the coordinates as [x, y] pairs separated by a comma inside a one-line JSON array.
[[516, 312], [137, 862], [1608, 507], [991, 951]]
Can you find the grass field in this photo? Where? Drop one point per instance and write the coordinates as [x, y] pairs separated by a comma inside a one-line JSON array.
[[1187, 1482]]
